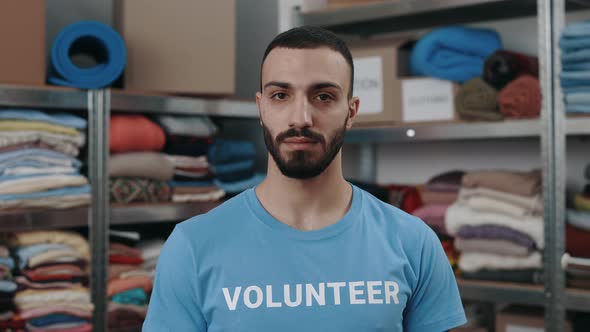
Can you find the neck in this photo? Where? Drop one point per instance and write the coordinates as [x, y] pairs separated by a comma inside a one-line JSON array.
[[308, 204]]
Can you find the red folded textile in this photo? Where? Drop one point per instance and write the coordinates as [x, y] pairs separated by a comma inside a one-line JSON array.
[[504, 66], [119, 259], [576, 241], [135, 133], [123, 250], [12, 324], [521, 98]]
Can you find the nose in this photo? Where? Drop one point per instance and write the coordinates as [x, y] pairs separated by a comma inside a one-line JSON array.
[[301, 114]]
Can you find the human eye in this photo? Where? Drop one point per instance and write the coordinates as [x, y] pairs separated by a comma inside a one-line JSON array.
[[278, 96], [324, 97]]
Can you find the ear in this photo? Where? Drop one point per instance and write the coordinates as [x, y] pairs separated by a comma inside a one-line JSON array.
[[353, 109], [258, 101]]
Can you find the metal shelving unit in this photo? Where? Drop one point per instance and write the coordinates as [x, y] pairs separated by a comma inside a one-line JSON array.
[[154, 213], [27, 220]]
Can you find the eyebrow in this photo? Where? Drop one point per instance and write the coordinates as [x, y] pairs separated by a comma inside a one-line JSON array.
[[277, 84], [317, 86]]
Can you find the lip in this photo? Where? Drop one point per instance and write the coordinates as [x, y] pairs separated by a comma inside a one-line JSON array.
[[299, 140]]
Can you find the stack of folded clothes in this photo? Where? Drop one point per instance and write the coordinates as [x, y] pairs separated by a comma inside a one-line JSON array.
[[578, 235], [234, 165], [8, 318], [454, 53], [188, 139], [438, 194], [577, 270], [575, 63], [139, 172], [498, 225], [52, 290], [129, 283], [38, 165]]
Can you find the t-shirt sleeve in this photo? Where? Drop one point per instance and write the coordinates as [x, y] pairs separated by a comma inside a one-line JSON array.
[[435, 304], [174, 303]]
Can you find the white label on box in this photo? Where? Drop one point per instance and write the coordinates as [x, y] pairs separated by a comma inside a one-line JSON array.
[[368, 84], [427, 100], [520, 328]]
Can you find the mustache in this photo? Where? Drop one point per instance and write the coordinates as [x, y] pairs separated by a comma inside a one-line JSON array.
[[305, 132]]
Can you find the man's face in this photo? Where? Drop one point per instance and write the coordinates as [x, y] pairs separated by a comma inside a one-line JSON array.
[[305, 109]]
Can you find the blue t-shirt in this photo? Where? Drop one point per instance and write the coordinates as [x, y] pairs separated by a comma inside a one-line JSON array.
[[237, 268]]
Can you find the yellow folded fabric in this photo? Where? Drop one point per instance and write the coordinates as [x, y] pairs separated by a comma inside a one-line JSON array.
[[15, 125], [582, 202], [74, 240]]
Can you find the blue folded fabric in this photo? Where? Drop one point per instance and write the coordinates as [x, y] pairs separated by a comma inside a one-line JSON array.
[[7, 286], [577, 29], [52, 319], [578, 66], [24, 253], [62, 119], [7, 261], [22, 154], [68, 191], [29, 176], [99, 41], [238, 166], [454, 53], [578, 98], [576, 56], [580, 219], [580, 109], [239, 186], [576, 89], [568, 44], [173, 183], [224, 151], [135, 296]]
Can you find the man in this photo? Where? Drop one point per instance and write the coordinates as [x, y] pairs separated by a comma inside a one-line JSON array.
[[304, 250]]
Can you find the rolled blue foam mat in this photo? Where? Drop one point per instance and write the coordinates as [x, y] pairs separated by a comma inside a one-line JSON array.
[[95, 40]]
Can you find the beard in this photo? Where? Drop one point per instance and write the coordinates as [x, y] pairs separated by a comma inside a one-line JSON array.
[[302, 164]]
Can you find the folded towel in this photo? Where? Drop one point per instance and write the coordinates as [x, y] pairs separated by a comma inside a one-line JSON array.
[[19, 125], [575, 35], [488, 204], [495, 232], [448, 181], [54, 193], [54, 258], [69, 238], [471, 262], [188, 162], [515, 182], [45, 157], [521, 98], [575, 66], [136, 190], [577, 98], [577, 109], [80, 294], [24, 284], [459, 215], [504, 66], [575, 78], [489, 246], [476, 100], [37, 183], [42, 312], [27, 170], [130, 133], [225, 151], [62, 143], [62, 119], [575, 57], [454, 53], [187, 145], [533, 204], [150, 165], [198, 126]]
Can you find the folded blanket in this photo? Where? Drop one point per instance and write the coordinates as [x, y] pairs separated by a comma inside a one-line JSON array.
[[115, 270], [122, 249], [80, 305], [16, 125], [28, 145], [190, 175], [575, 36], [56, 318], [576, 241], [55, 256], [63, 202], [448, 181], [487, 204], [194, 190], [130, 133], [579, 219], [197, 126], [187, 145], [504, 66], [576, 66], [438, 197], [65, 327], [204, 197], [62, 119], [519, 183], [25, 252], [79, 294], [150, 165], [46, 158], [490, 246], [54, 193], [240, 186], [62, 143], [577, 109], [582, 202], [459, 216], [521, 98], [135, 296], [531, 276], [471, 262], [135, 190], [534, 204], [454, 53], [577, 99], [493, 232], [226, 151], [477, 101], [189, 162], [68, 238], [138, 273], [121, 259], [26, 170], [575, 78], [24, 283], [119, 285]]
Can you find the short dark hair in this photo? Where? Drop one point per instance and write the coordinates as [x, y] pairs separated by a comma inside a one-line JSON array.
[[310, 37]]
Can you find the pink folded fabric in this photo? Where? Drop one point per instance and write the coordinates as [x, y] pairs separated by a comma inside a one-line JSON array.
[[123, 250], [27, 284], [431, 211], [80, 328], [54, 309]]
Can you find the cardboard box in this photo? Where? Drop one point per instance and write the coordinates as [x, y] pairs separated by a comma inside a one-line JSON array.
[[388, 95], [520, 319], [179, 46], [22, 35]]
